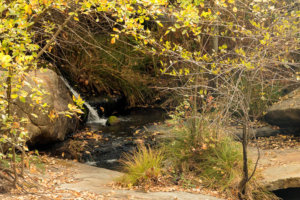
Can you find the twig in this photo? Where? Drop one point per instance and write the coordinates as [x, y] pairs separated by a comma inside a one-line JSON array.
[[256, 163]]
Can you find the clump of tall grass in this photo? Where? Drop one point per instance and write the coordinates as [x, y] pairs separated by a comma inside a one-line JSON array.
[[142, 166], [220, 163], [216, 160], [211, 157]]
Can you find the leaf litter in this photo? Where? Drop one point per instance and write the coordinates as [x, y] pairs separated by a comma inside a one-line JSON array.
[[44, 183]]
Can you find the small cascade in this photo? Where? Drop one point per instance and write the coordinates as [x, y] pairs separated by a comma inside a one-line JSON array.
[[93, 116]]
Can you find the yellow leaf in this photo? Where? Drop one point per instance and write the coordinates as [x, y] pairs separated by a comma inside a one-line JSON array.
[[234, 9], [28, 9], [159, 23], [13, 96], [113, 40], [116, 30]]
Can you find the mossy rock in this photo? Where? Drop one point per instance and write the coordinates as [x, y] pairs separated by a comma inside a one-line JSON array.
[[112, 120]]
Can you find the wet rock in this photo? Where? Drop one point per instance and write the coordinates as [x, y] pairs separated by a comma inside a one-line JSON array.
[[112, 120], [286, 113], [107, 105]]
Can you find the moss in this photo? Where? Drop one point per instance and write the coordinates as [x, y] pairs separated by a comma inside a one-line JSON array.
[[112, 120]]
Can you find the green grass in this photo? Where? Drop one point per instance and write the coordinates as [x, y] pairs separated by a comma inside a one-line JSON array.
[[221, 163], [144, 165], [216, 161]]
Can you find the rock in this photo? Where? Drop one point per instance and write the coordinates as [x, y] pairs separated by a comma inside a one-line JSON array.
[[286, 113], [108, 104], [257, 132], [41, 129], [112, 120], [279, 168], [99, 181]]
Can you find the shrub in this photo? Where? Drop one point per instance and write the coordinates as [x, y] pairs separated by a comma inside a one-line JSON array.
[[210, 158]]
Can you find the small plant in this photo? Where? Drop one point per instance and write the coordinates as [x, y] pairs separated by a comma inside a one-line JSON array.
[[142, 166]]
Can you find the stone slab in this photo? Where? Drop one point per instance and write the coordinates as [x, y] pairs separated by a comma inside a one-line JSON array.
[[280, 169], [94, 179]]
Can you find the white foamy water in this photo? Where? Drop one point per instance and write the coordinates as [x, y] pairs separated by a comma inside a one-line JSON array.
[[93, 116]]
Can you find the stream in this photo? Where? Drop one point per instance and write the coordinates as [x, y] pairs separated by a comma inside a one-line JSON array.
[[123, 137], [103, 146], [100, 145]]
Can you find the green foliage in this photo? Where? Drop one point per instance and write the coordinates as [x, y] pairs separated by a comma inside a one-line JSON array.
[[18, 55], [143, 166]]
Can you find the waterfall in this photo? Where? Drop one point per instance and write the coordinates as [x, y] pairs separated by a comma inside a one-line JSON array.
[[93, 116]]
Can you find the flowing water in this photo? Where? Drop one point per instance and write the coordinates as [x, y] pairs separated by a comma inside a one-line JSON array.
[[93, 116], [133, 127]]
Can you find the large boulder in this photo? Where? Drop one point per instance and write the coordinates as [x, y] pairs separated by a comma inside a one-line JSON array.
[[42, 129], [286, 112]]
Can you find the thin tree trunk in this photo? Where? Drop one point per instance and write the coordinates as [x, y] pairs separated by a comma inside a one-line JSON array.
[[216, 34], [195, 106], [8, 91], [22, 160], [216, 39], [243, 183], [12, 136]]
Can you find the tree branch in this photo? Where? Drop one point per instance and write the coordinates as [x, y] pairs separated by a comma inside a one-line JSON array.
[[59, 30]]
